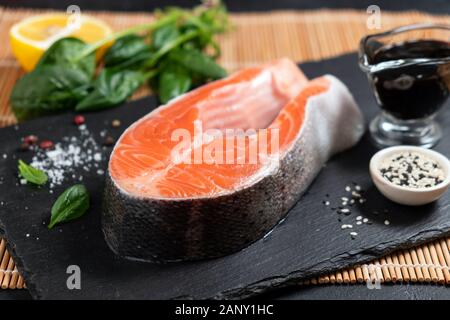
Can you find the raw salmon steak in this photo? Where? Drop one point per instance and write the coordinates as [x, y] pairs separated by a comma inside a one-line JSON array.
[[217, 168]]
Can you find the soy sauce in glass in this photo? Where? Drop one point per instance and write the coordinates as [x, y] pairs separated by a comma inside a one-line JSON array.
[[408, 90], [408, 69]]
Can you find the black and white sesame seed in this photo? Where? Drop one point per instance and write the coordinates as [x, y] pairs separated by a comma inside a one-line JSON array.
[[411, 169], [343, 206]]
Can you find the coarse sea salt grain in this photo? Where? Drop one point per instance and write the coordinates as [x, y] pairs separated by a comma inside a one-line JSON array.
[[69, 156], [98, 156]]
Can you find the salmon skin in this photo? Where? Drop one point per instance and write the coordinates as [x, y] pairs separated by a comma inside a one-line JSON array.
[[216, 195]]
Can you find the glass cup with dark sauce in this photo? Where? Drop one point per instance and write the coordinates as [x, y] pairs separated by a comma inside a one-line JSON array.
[[409, 71]]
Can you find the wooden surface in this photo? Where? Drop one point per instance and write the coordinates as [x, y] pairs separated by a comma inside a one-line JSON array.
[[258, 37]]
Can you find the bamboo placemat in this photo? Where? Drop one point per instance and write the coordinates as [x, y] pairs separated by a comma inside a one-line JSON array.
[[259, 37]]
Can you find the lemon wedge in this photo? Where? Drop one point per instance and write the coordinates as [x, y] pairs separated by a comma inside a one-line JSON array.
[[32, 36]]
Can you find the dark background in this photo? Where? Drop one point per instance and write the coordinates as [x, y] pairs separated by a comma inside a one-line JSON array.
[[399, 291], [435, 6]]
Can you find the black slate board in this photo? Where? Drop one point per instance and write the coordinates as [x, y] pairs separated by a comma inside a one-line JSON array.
[[310, 241]]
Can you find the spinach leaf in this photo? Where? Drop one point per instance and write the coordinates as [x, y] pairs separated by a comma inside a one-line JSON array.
[[70, 205], [48, 89], [111, 88], [64, 52], [173, 81], [198, 62], [164, 34], [125, 49], [32, 174], [63, 78], [135, 62]]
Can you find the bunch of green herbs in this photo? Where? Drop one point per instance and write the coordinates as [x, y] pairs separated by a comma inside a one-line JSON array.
[[173, 54]]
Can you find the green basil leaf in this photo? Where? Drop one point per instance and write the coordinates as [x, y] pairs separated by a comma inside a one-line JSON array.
[[70, 205], [125, 49], [111, 88], [198, 62], [173, 81], [47, 90], [64, 52], [32, 174], [164, 34]]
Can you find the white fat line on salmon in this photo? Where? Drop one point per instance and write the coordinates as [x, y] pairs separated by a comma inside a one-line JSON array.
[[241, 146]]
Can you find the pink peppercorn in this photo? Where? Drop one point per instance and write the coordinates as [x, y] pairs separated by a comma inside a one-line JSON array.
[[46, 144], [78, 120]]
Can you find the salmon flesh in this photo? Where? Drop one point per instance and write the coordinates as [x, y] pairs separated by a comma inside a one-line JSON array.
[[216, 169]]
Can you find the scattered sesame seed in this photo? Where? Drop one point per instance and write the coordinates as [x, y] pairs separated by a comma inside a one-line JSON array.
[[365, 220], [348, 189], [344, 199], [27, 235], [357, 187], [23, 181], [115, 123], [346, 226], [345, 211], [359, 218], [386, 222], [5, 156], [327, 203], [100, 172], [358, 223], [353, 233], [356, 194]]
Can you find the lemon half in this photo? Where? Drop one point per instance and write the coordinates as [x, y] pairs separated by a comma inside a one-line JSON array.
[[32, 36]]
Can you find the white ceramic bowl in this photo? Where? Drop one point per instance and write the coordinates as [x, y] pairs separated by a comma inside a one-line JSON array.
[[405, 195]]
